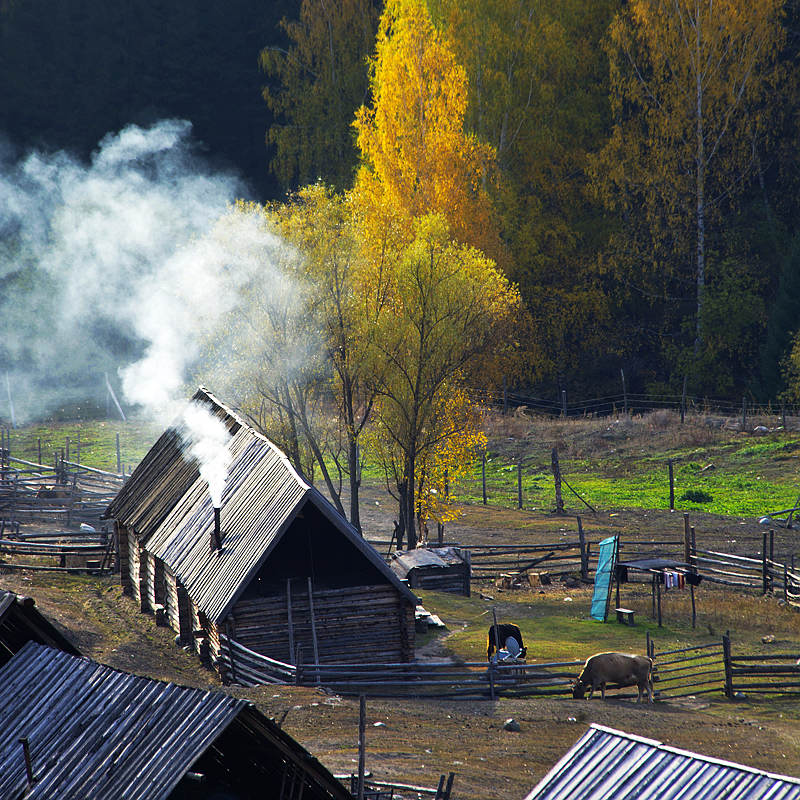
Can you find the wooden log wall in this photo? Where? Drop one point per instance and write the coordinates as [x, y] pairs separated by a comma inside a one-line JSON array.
[[454, 580], [357, 624], [123, 545], [135, 566], [179, 614]]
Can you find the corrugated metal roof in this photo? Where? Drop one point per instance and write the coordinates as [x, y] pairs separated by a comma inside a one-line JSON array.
[[606, 764], [263, 494], [95, 732]]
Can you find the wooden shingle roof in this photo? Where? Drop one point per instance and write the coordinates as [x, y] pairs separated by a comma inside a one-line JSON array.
[[97, 733]]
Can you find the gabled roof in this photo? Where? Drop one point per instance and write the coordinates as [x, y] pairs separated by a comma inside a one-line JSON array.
[[21, 622], [95, 732], [262, 496], [606, 764]]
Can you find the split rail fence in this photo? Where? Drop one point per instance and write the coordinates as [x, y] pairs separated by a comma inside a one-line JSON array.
[[699, 669]]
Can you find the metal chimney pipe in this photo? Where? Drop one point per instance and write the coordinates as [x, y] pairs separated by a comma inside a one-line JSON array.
[[26, 752], [216, 536]]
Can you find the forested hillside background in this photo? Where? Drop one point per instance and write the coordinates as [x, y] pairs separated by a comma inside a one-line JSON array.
[[639, 238]]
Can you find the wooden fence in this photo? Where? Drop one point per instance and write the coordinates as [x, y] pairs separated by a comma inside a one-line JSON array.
[[690, 671]]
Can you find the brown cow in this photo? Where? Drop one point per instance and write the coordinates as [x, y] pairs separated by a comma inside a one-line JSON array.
[[621, 669]]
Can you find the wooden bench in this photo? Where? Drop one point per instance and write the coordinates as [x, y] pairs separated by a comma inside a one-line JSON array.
[[625, 616]]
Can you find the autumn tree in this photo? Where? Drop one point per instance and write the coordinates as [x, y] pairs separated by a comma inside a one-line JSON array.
[[693, 85], [450, 309], [416, 157], [318, 82], [538, 94]]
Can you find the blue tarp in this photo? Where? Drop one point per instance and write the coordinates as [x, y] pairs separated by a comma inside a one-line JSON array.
[[602, 578]]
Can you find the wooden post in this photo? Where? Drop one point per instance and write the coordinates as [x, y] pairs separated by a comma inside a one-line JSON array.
[[785, 581], [519, 484], [298, 665], [440, 532], [564, 403], [771, 558], [686, 536], [362, 747], [693, 562], [483, 477], [683, 401], [726, 658], [289, 616], [584, 554], [744, 414], [624, 391], [671, 486], [313, 626], [39, 448], [764, 579], [557, 480], [66, 448], [658, 599]]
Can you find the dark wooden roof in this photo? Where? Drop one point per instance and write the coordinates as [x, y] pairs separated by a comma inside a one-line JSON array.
[[21, 622], [169, 507], [96, 733]]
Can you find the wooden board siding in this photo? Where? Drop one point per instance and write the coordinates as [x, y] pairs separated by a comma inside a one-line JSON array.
[[178, 610], [454, 579], [135, 569], [122, 535], [354, 624]]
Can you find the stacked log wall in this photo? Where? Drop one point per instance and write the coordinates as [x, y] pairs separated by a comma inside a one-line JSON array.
[[123, 538], [355, 624], [455, 581], [179, 613]]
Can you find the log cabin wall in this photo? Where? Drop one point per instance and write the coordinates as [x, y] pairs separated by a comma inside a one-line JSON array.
[[355, 624], [124, 558], [179, 612], [135, 569], [455, 579]]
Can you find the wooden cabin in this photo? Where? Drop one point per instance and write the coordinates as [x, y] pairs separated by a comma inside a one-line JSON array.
[[440, 569], [74, 728], [281, 573], [21, 622]]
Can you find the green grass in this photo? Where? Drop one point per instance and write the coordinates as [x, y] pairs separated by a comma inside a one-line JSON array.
[[744, 481]]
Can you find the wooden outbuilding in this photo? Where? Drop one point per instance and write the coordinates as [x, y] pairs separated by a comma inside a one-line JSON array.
[[21, 622], [441, 569], [276, 569], [74, 729]]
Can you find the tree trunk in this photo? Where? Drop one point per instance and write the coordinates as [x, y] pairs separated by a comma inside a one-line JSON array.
[[355, 482]]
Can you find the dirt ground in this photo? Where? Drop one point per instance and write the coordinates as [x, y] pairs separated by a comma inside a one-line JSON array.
[[415, 741]]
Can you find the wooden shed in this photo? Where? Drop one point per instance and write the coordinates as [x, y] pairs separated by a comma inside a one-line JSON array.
[[280, 570], [441, 569], [21, 622], [74, 729]]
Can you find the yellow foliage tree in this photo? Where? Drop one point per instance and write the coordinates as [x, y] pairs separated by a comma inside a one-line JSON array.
[[416, 156], [450, 310]]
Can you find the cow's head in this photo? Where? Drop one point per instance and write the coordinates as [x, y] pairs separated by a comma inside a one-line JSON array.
[[578, 689]]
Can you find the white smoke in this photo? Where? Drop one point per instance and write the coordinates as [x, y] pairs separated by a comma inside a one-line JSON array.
[[205, 438], [119, 266], [130, 265]]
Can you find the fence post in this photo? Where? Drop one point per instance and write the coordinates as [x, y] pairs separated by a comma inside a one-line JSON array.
[[564, 403], [519, 484], [624, 391], [686, 536], [693, 563], [785, 581], [557, 480], [683, 400], [362, 735], [483, 477], [726, 658], [584, 554], [764, 579], [671, 486]]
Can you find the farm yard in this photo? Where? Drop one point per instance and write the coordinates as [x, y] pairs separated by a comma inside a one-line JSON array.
[[412, 740]]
